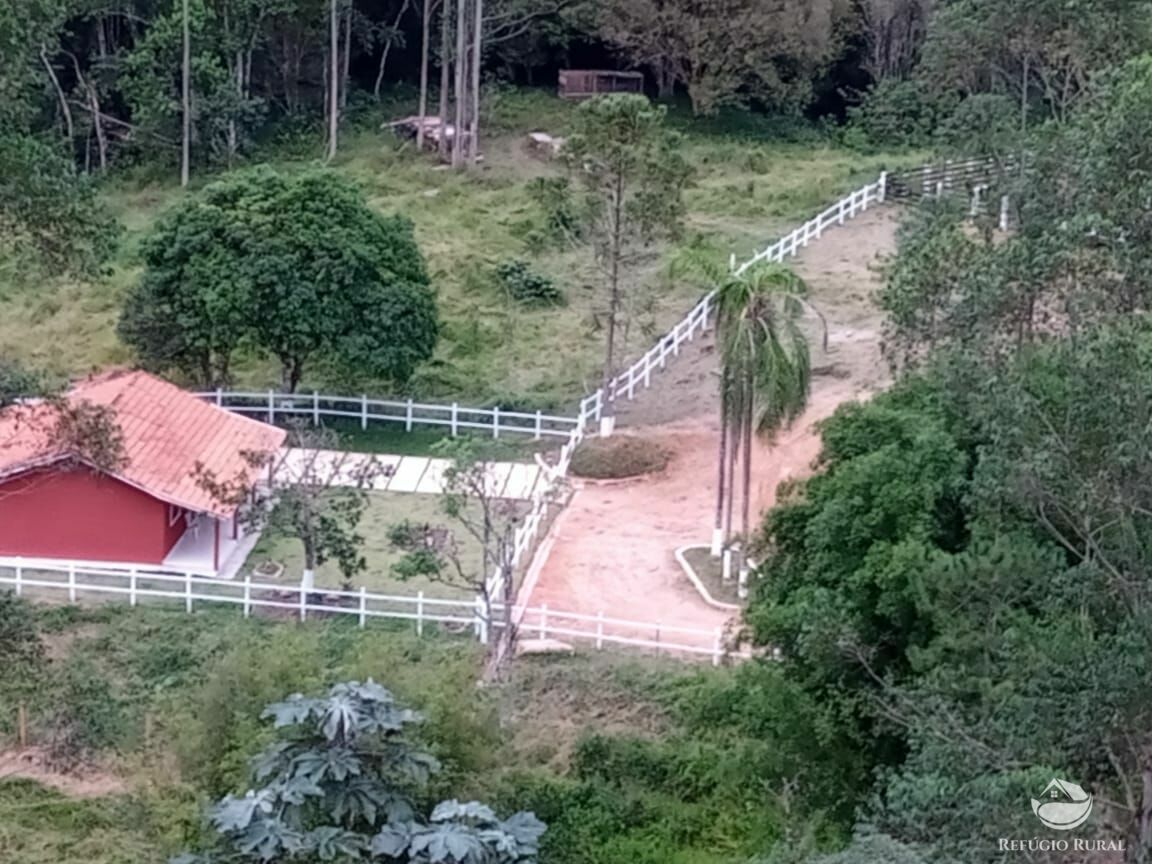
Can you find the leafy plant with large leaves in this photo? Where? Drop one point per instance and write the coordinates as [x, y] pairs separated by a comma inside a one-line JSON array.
[[343, 782]]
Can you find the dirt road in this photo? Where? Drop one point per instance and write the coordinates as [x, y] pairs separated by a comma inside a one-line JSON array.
[[612, 549]]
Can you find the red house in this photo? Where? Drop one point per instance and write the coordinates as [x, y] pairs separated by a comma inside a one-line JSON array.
[[152, 511]]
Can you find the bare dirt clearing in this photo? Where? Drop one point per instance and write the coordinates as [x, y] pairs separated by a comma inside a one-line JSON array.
[[30, 764], [614, 545]]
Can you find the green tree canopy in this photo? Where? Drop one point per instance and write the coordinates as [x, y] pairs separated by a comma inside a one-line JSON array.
[[299, 267]]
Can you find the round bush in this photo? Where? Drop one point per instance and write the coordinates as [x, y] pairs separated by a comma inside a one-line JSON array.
[[618, 457]]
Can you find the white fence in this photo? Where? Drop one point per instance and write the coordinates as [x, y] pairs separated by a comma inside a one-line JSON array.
[[639, 374], [270, 404], [292, 601]]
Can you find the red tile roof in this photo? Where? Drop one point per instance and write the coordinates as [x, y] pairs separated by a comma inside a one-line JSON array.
[[167, 432]]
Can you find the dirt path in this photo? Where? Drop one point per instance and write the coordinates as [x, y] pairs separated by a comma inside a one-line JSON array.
[[613, 546]]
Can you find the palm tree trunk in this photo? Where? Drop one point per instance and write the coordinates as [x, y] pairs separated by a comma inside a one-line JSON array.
[[721, 463]]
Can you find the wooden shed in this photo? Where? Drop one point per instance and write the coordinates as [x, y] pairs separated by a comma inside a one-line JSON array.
[[586, 83]]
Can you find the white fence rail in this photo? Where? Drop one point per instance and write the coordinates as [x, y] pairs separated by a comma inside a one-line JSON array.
[[270, 405], [639, 374], [137, 585]]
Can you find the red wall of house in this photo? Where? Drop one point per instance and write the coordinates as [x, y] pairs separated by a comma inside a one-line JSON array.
[[78, 513]]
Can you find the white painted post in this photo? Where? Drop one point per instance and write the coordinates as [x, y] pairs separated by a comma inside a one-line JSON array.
[[363, 606], [188, 592], [219, 398], [883, 192], [455, 408], [71, 583], [480, 626], [717, 542], [974, 210], [19, 587], [271, 406], [600, 630], [247, 596], [542, 630], [718, 648], [840, 215], [732, 262], [419, 613], [742, 582], [408, 416], [939, 188], [364, 411], [132, 587], [1004, 213], [726, 571], [315, 408], [495, 421]]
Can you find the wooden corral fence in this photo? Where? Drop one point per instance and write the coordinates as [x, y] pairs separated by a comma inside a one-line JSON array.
[[75, 583], [949, 176]]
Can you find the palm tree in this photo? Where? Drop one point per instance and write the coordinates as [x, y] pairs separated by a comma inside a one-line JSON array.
[[765, 373]]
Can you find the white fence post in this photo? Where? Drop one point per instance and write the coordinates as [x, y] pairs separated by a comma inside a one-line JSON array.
[[364, 411], [19, 587], [539, 422], [219, 397], [315, 408], [495, 421], [188, 592], [71, 583], [882, 194], [455, 408], [271, 406], [419, 613], [303, 601], [363, 606], [408, 416], [718, 648], [480, 624], [132, 587], [247, 596], [1004, 204]]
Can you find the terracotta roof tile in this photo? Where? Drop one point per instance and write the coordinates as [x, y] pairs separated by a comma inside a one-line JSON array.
[[167, 432]]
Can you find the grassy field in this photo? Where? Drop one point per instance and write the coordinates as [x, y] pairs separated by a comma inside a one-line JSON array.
[[752, 181], [175, 700], [385, 509]]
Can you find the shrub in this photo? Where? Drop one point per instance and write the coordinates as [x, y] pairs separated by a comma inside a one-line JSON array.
[[898, 114], [86, 717], [526, 286], [618, 457]]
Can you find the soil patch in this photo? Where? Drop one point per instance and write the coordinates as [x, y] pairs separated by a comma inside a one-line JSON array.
[[618, 458], [30, 764]]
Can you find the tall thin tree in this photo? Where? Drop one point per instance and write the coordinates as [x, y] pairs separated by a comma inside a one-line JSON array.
[[461, 92], [474, 101], [446, 58], [333, 77], [424, 37], [185, 99]]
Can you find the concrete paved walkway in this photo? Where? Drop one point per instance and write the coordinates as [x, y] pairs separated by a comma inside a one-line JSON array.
[[417, 474]]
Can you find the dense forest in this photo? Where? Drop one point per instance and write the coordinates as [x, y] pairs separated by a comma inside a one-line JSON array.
[[954, 609]]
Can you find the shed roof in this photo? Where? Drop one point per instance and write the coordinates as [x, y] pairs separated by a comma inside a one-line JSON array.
[[167, 435]]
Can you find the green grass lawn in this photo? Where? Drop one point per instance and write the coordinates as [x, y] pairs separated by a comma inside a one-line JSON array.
[[752, 183], [384, 510]]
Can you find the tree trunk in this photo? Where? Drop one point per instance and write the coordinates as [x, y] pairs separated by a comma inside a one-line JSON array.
[[65, 111], [333, 77], [186, 100], [461, 93], [735, 412], [424, 36], [445, 72], [477, 53], [346, 61], [388, 48], [721, 462], [746, 500], [608, 410]]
